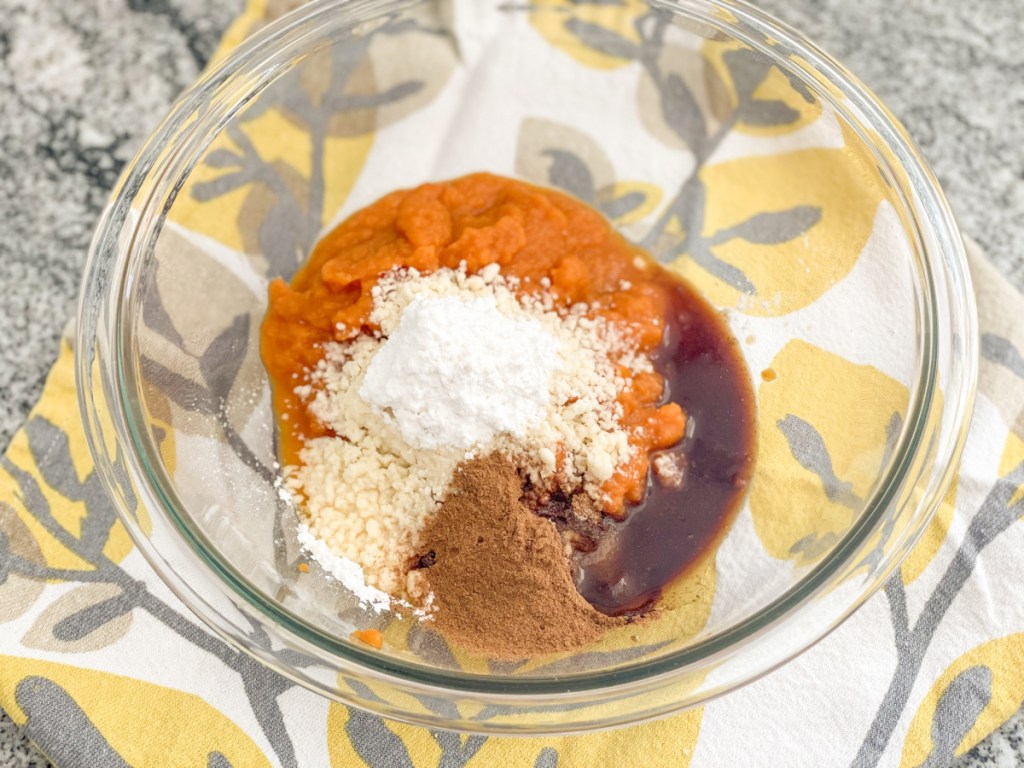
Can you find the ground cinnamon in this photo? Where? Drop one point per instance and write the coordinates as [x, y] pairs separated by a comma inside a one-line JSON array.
[[499, 574]]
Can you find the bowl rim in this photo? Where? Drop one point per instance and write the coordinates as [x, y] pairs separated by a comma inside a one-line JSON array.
[[942, 253]]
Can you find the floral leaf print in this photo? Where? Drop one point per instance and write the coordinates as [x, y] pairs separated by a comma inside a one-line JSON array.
[[769, 113], [744, 230], [974, 695], [282, 235], [772, 227], [825, 428], [456, 750], [727, 273], [580, 662], [682, 113], [17, 592], [56, 720], [80, 714], [934, 538], [98, 530], [224, 158], [189, 394], [431, 647], [681, 99], [223, 358], [155, 316], [602, 39], [810, 451], [765, 100], [1001, 350], [89, 617], [1002, 507], [374, 742], [601, 35], [269, 198], [51, 448], [570, 173], [86, 549], [214, 375], [956, 712], [802, 204], [748, 69], [620, 207], [552, 154]]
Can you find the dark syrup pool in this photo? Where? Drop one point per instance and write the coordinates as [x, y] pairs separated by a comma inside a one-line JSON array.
[[674, 528]]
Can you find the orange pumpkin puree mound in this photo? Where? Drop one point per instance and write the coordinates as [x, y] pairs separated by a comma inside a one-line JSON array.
[[480, 219]]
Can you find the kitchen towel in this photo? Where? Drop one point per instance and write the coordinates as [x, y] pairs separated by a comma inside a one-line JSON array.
[[99, 659]]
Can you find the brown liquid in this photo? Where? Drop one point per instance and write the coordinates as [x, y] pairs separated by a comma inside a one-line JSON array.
[[673, 528]]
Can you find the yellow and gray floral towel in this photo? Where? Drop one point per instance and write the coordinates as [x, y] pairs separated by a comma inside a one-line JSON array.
[[105, 667]]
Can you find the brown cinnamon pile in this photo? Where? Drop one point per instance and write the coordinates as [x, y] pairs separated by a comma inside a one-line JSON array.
[[501, 581]]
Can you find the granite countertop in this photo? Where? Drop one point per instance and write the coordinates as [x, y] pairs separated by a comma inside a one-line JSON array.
[[80, 89]]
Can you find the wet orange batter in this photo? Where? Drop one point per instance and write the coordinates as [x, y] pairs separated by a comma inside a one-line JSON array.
[[479, 219]]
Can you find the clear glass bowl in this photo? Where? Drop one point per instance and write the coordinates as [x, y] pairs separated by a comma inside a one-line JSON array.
[[721, 140]]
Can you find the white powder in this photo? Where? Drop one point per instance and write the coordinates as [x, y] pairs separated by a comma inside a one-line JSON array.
[[456, 373], [368, 490], [348, 573]]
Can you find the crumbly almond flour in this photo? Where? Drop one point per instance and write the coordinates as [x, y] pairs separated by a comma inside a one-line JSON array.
[[367, 492]]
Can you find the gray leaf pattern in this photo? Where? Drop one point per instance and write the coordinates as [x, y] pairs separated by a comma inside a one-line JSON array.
[[569, 172], [456, 752], [748, 69], [729, 274], [50, 449], [222, 360], [54, 719], [89, 617], [376, 744], [764, 113], [682, 113], [808, 448], [773, 227], [995, 516], [155, 316], [187, 393], [86, 621], [602, 39], [1001, 351], [955, 713], [618, 207], [430, 646], [18, 592]]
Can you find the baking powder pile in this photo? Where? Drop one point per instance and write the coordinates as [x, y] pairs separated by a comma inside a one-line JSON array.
[[460, 368], [456, 372]]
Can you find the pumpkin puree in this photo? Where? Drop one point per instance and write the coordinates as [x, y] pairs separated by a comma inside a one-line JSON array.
[[480, 219]]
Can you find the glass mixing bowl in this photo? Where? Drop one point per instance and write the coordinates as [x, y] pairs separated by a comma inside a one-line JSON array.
[[731, 148]]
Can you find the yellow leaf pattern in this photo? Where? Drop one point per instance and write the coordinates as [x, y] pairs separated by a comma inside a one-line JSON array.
[[975, 695], [180, 727], [786, 228], [825, 426]]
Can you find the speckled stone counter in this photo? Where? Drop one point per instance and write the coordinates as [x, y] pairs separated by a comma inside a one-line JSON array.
[[81, 84]]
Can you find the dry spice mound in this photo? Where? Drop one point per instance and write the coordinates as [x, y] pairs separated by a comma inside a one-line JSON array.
[[498, 573]]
